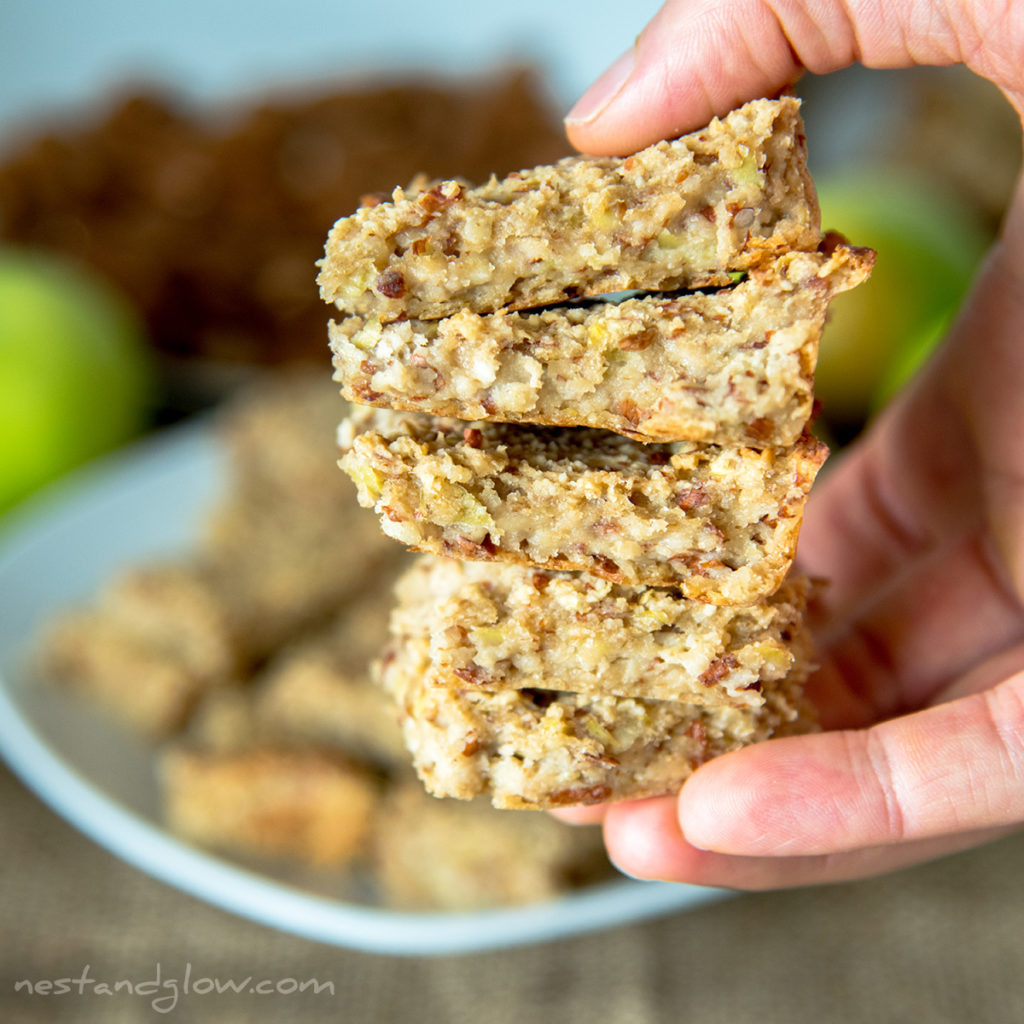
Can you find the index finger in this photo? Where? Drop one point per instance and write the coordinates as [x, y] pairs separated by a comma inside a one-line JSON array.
[[700, 58], [691, 62]]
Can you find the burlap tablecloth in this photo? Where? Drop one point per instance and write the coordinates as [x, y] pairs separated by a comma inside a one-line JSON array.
[[939, 943]]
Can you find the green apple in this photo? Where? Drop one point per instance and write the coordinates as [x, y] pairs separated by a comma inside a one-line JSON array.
[[905, 364], [74, 374], [929, 247]]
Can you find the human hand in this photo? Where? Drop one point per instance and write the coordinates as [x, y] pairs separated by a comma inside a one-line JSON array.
[[919, 528]]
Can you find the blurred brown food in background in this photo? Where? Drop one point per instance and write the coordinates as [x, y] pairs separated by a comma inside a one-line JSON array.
[[211, 220], [962, 133]]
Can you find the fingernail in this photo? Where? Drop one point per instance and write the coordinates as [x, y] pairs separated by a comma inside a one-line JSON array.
[[599, 96]]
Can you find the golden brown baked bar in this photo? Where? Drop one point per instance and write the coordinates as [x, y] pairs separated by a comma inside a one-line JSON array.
[[679, 214], [504, 626], [734, 366], [284, 546], [301, 805], [314, 693], [319, 691], [544, 748], [285, 539], [156, 638], [159, 636], [453, 855], [278, 438], [719, 523], [146, 688]]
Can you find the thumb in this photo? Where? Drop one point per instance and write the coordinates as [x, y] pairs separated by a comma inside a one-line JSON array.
[[699, 58], [950, 769]]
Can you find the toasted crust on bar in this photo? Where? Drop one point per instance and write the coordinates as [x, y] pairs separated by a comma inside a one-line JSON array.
[[496, 627], [679, 214], [719, 523], [734, 366], [544, 749]]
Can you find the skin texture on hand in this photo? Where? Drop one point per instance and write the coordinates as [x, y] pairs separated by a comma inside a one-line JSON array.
[[919, 528], [699, 58]]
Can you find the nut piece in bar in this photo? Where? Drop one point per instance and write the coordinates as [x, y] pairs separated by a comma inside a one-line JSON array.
[[718, 523], [506, 626], [679, 214], [734, 366]]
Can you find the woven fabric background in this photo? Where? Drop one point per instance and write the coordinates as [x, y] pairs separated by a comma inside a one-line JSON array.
[[934, 944]]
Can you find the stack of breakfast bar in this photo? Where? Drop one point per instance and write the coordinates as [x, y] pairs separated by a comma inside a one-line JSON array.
[[584, 392]]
